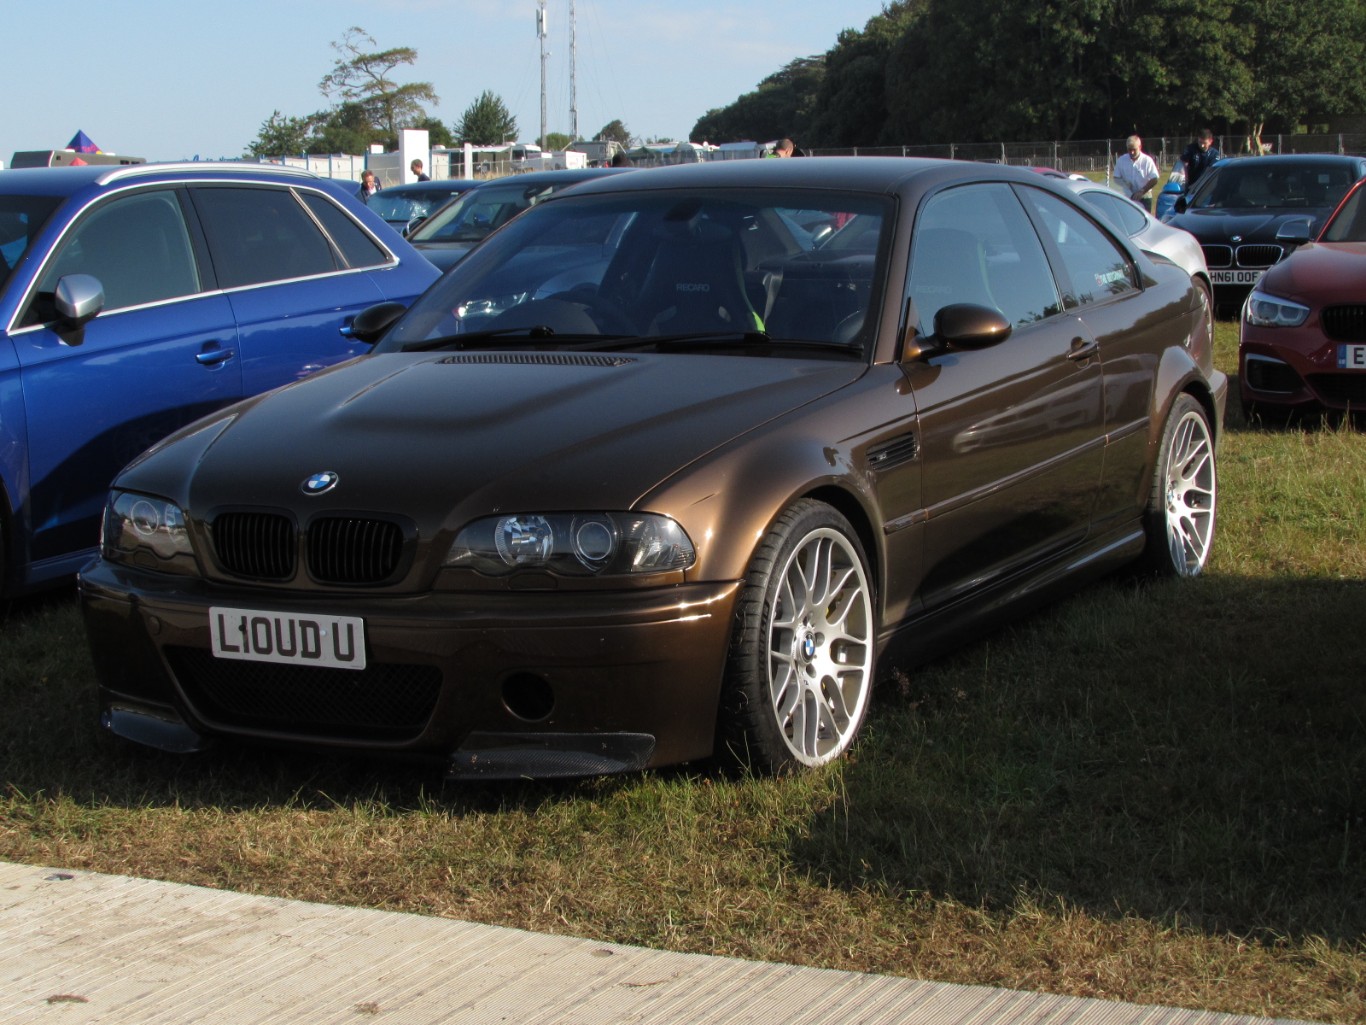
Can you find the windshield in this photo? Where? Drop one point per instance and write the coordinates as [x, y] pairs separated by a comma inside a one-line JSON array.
[[748, 269], [400, 205], [478, 211], [1349, 225], [21, 218], [1256, 184]]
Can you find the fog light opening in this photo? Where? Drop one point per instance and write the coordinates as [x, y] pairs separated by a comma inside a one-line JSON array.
[[528, 697]]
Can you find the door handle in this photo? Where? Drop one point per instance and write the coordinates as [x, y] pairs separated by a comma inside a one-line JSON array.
[[1082, 350], [212, 355]]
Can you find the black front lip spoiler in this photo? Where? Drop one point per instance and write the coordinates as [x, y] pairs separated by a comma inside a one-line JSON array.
[[482, 755]]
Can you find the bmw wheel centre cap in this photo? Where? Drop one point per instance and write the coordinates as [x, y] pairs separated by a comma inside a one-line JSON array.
[[320, 483]]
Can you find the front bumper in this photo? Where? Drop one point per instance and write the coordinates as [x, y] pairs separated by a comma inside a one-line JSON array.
[[1296, 368], [494, 685]]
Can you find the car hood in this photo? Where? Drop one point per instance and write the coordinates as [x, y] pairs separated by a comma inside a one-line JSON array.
[[1318, 273], [440, 437], [1213, 226], [444, 255]]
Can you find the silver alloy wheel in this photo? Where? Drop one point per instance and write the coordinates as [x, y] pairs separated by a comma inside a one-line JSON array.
[[820, 647], [1189, 493]]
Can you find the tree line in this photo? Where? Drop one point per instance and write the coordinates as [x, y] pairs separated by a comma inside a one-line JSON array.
[[931, 71], [370, 106]]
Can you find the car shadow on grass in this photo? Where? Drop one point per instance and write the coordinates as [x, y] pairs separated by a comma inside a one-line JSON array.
[[1215, 777]]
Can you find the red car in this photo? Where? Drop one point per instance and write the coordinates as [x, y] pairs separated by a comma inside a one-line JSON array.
[[1303, 339]]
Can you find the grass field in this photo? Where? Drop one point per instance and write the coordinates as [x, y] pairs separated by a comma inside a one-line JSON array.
[[1154, 792]]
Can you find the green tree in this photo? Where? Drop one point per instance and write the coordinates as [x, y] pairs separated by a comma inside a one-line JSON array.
[[780, 107], [438, 134], [557, 140], [280, 136], [614, 131], [364, 77], [486, 122]]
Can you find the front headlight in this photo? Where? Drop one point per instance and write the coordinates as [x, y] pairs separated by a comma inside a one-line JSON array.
[[146, 531], [1264, 310], [573, 544]]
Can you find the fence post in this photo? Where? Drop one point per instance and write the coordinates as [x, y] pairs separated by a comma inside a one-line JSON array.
[[1340, 149]]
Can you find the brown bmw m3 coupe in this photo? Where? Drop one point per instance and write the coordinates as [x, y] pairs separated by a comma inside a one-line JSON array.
[[669, 467]]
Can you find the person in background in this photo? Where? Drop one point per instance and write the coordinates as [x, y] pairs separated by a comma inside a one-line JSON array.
[[1197, 158], [783, 148], [1136, 171], [368, 186], [416, 168], [620, 159]]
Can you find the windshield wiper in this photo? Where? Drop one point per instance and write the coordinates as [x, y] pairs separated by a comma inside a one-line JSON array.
[[482, 339], [758, 340]]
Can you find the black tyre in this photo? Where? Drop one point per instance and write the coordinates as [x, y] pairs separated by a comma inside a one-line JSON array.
[[800, 671], [1180, 515]]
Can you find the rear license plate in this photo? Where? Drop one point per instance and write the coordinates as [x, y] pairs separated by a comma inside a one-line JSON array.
[[252, 636], [1234, 277], [1352, 357]]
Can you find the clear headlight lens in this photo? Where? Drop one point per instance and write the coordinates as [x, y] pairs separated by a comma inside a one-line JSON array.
[[146, 531], [1265, 310], [573, 544]]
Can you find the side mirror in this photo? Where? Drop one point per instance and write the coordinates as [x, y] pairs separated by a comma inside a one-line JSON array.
[[371, 322], [1295, 231], [78, 299], [960, 326], [1181, 204]]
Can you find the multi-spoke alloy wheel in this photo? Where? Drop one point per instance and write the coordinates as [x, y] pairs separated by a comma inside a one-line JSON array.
[[1185, 486], [801, 666]]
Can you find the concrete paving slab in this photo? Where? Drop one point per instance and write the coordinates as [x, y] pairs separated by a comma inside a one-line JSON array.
[[79, 947]]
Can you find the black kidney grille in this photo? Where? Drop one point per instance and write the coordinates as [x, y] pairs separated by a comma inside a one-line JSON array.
[[1258, 255], [1218, 256], [256, 545], [381, 702], [345, 550], [1344, 323]]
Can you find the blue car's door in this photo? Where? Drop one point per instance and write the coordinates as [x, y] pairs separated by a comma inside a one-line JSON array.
[[293, 266], [162, 353]]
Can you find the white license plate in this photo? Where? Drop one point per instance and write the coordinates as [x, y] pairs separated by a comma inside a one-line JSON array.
[[1235, 277], [253, 636], [1352, 357]]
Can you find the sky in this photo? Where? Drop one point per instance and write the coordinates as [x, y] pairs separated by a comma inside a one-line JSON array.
[[174, 80]]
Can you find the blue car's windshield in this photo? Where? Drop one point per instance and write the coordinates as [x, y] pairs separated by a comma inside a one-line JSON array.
[[21, 218], [786, 266]]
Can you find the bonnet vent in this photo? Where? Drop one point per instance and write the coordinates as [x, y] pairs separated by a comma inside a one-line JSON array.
[[538, 359]]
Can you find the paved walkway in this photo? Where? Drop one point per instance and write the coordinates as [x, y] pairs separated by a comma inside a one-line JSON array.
[[77, 947]]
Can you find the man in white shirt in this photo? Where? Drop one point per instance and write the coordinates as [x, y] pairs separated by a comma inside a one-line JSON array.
[[1135, 171]]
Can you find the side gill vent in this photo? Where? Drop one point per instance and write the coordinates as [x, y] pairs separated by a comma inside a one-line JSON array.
[[893, 453], [537, 359]]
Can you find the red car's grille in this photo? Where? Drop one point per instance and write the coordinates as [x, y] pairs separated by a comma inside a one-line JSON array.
[[1344, 323], [382, 702], [1340, 389], [339, 550]]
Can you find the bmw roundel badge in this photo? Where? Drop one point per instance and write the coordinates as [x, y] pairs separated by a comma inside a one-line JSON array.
[[319, 483]]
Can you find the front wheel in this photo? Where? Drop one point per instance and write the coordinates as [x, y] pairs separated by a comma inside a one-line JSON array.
[[800, 670], [1180, 515]]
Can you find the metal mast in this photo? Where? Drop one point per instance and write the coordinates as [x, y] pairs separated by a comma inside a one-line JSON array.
[[541, 34], [573, 75]]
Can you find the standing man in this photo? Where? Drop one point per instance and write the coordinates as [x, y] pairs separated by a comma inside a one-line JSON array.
[[1136, 171], [1199, 157], [416, 168]]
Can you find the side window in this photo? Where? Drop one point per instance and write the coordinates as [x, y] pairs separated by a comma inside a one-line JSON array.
[[975, 244], [260, 234], [1117, 210], [355, 243], [137, 246], [1097, 269]]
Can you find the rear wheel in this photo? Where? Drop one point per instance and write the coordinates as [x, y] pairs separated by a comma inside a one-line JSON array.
[[800, 670], [1180, 515]]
